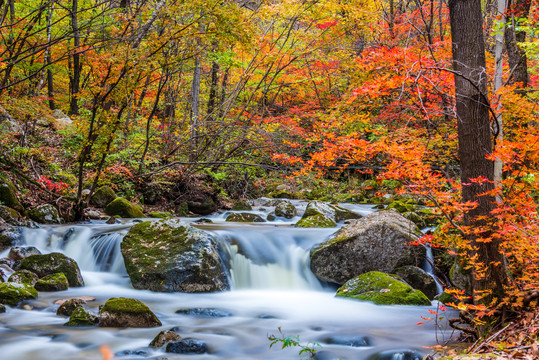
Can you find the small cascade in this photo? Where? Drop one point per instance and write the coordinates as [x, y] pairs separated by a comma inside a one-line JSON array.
[[274, 258], [429, 269], [94, 248]]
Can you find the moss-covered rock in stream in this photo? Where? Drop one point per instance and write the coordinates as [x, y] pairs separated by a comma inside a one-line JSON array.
[[123, 208], [24, 277], [21, 252], [68, 306], [9, 235], [335, 213], [45, 214], [244, 217], [382, 289], [9, 215], [169, 255], [160, 215], [240, 205], [285, 209], [13, 293], [125, 312], [103, 196], [204, 206], [163, 338], [2, 309], [402, 206], [315, 221], [8, 196], [378, 242], [53, 263], [81, 317], [53, 282], [418, 279]]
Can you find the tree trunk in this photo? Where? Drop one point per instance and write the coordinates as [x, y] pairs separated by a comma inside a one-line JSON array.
[[75, 78], [474, 135], [212, 99], [195, 108], [501, 6], [516, 56]]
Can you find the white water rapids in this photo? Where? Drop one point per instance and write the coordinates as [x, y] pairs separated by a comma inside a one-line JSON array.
[[272, 287]]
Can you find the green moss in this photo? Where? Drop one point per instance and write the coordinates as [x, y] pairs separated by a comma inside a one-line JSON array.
[[9, 215], [123, 208], [24, 277], [160, 215], [53, 282], [244, 217], [317, 221], [382, 289], [8, 196], [125, 306], [401, 206], [45, 214], [13, 293], [103, 196], [53, 263], [81, 317], [241, 205], [182, 209]]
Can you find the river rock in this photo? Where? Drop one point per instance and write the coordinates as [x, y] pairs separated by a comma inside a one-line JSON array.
[[348, 340], [244, 217], [53, 263], [2, 309], [82, 317], [68, 306], [187, 346], [317, 221], [418, 279], [123, 208], [160, 214], [103, 196], [45, 214], [382, 289], [401, 354], [170, 255], [263, 201], [9, 215], [21, 252], [13, 293], [241, 205], [125, 312], [164, 337], [286, 209], [5, 272], [9, 235], [53, 282], [377, 242], [335, 213], [8, 196], [204, 206], [204, 312], [24, 277]]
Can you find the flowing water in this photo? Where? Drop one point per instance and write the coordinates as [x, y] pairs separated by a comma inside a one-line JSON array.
[[272, 288]]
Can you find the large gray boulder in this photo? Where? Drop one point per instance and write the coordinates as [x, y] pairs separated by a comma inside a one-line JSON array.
[[170, 255], [377, 242], [45, 214], [321, 214]]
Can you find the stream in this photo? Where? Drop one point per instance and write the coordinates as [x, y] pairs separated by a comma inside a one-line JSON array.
[[272, 288]]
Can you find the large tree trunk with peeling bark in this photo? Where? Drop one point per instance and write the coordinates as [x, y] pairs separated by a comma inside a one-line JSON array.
[[474, 135]]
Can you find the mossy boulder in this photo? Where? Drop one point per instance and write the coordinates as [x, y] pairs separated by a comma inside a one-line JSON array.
[[335, 213], [24, 277], [418, 279], [8, 196], [125, 312], [169, 255], [160, 215], [53, 282], [202, 207], [378, 242], [103, 196], [123, 208], [285, 209], [45, 214], [21, 252], [401, 206], [81, 317], [163, 338], [244, 217], [68, 306], [240, 205], [382, 289], [461, 278], [9, 235], [13, 293], [53, 263], [316, 221], [9, 215]]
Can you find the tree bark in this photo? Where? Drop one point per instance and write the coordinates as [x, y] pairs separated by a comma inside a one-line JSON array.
[[75, 78], [501, 6], [474, 136], [195, 108], [518, 62]]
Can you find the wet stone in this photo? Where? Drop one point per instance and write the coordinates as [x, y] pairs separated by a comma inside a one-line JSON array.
[[21, 252], [204, 312], [348, 340], [187, 346], [164, 337], [131, 353], [67, 307], [402, 354]]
